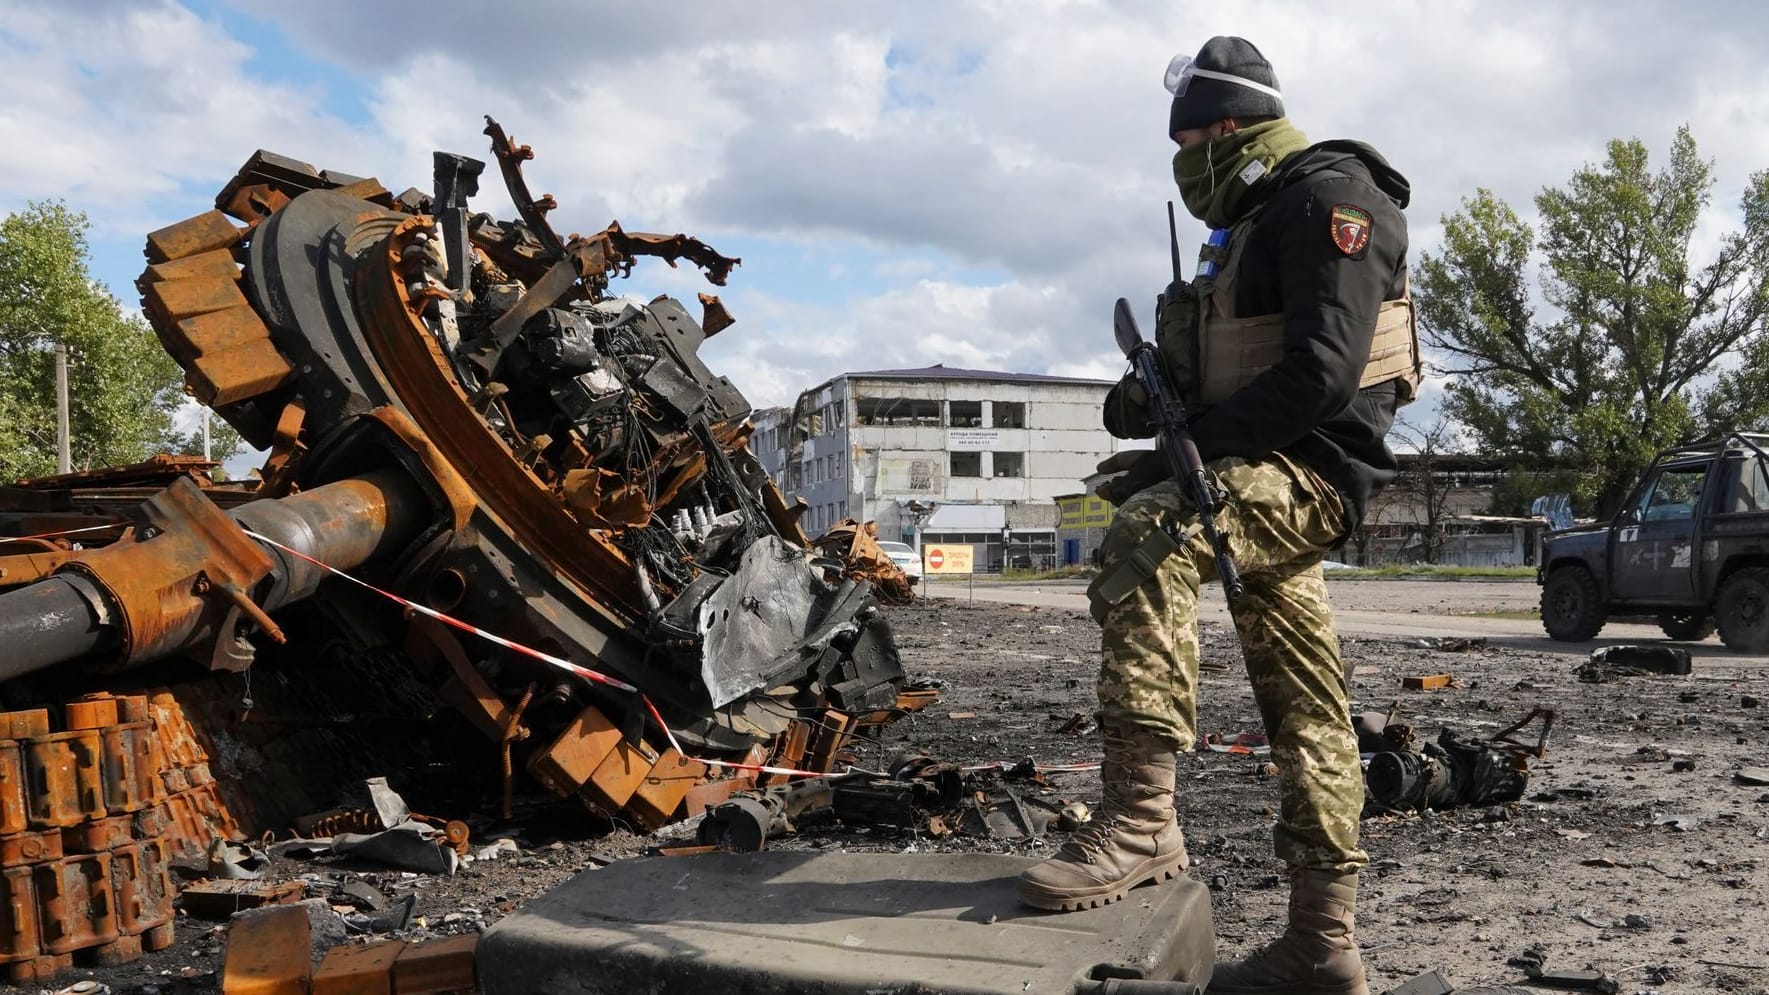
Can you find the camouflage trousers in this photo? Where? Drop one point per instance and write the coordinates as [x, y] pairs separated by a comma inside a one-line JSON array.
[[1280, 519]]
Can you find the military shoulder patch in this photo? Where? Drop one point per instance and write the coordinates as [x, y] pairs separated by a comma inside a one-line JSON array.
[[1351, 228]]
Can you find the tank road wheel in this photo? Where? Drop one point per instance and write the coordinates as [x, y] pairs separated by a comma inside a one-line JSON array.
[[1690, 627], [1572, 607], [1743, 611]]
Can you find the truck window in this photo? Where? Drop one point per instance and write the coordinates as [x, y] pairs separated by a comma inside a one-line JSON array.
[[1674, 495], [1752, 493]]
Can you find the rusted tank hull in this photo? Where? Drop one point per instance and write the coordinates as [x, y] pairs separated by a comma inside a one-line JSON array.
[[459, 412]]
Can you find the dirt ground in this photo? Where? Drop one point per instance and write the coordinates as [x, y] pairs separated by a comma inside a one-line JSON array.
[[1461, 891], [1635, 850]]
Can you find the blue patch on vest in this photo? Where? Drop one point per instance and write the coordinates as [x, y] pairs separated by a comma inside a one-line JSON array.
[[1208, 268]]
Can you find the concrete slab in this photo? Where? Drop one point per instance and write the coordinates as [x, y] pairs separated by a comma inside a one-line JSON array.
[[836, 924]]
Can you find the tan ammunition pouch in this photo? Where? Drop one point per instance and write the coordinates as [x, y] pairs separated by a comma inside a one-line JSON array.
[[1219, 353]]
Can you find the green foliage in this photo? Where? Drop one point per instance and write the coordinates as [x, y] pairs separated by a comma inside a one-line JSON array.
[[1516, 490], [1638, 347], [122, 386]]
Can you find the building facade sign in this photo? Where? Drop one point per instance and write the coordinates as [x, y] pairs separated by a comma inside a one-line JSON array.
[[967, 440]]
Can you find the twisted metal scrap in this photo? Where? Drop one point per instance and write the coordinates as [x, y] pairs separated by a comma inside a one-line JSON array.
[[609, 251]]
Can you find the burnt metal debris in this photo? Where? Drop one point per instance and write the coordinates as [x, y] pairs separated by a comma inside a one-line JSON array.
[[918, 793], [856, 546], [462, 411], [1452, 771]]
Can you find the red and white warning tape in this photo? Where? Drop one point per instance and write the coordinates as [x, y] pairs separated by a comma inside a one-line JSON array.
[[565, 665], [547, 658], [598, 677]]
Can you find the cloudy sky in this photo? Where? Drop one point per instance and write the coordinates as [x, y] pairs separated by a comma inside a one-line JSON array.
[[908, 182]]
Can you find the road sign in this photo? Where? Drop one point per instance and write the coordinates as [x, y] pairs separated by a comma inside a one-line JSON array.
[[947, 559]]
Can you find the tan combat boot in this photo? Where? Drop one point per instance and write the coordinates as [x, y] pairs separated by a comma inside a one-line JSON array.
[[1317, 955], [1132, 839]]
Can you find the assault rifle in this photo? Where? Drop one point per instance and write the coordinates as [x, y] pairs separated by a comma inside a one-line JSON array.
[[1176, 442]]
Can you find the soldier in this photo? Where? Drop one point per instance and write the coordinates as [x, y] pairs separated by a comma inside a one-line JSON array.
[[1292, 348]]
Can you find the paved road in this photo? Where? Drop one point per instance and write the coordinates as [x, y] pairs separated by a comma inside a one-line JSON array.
[[1392, 609]]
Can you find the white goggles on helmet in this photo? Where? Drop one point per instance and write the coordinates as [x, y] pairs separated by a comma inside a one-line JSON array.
[[1182, 70]]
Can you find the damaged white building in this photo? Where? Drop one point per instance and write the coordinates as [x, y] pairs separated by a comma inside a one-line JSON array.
[[941, 455]]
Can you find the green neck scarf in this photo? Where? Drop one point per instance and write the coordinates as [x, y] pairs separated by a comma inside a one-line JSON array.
[[1215, 175]]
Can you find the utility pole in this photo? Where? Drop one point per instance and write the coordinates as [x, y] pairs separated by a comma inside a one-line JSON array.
[[64, 459], [206, 455]]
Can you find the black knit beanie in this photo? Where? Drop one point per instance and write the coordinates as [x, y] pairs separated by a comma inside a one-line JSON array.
[[1205, 100]]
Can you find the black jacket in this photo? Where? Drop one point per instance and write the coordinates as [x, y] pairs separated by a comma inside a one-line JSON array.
[[1308, 405]]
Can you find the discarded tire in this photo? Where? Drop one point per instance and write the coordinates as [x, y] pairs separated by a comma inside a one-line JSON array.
[[1743, 611], [1572, 607]]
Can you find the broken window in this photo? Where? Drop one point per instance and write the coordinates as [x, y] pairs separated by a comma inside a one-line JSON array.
[[965, 414], [1029, 550], [898, 411], [967, 464], [1010, 414], [1010, 464]]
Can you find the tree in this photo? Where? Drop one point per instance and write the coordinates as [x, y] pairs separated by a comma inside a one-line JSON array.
[[1630, 346], [122, 386], [1424, 489]]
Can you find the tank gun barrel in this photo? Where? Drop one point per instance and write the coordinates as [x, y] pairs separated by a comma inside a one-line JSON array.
[[184, 584]]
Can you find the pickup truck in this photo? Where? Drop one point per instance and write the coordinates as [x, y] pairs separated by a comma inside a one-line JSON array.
[[1690, 546]]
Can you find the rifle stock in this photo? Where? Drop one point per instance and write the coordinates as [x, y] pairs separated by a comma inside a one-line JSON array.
[[1175, 441]]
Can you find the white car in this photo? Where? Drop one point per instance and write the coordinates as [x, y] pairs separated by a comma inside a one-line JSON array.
[[906, 559]]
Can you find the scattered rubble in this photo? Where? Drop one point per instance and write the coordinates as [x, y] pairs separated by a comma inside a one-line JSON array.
[[216, 900], [1451, 644], [1456, 890], [1428, 682]]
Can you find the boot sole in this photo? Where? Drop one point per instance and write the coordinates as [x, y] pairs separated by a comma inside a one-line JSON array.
[[1164, 869]]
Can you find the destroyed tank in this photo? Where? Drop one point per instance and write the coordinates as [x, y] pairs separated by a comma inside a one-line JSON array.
[[568, 540]]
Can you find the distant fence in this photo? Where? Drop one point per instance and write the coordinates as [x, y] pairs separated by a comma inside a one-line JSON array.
[[1466, 546]]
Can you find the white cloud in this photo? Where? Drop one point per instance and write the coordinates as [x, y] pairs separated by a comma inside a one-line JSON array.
[[1019, 140], [926, 322], [118, 111]]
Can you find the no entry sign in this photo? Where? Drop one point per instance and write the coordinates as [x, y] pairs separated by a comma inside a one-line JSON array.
[[947, 559]]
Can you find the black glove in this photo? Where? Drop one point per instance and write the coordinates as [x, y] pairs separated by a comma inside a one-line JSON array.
[[1126, 413], [1136, 470]]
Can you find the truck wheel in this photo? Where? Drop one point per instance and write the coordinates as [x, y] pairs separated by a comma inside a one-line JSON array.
[[1687, 627], [1572, 608], [1743, 610]]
